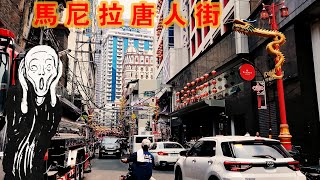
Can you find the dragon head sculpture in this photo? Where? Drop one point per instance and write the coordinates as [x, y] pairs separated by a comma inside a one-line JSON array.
[[242, 27]]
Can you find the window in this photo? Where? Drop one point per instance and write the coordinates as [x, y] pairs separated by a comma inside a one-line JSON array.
[[208, 149], [154, 146], [141, 76], [226, 149], [142, 69], [203, 149], [258, 149], [172, 146], [194, 151]]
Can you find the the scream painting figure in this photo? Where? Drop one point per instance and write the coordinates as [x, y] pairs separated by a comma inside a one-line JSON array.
[[33, 113]]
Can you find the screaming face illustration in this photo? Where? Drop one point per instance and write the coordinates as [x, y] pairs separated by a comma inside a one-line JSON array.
[[33, 114], [43, 70]]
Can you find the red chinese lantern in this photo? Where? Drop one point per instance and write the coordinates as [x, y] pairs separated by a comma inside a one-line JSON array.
[[197, 88], [214, 90], [178, 93], [206, 84], [207, 93], [202, 78], [206, 76], [185, 95], [188, 84], [197, 80], [192, 98], [213, 72], [182, 98], [178, 100], [284, 11], [182, 91], [188, 92], [193, 91], [193, 83], [188, 99], [214, 81], [264, 14], [185, 88], [202, 86]]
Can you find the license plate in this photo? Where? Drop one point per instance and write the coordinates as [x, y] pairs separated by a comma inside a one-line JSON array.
[[174, 154], [110, 152]]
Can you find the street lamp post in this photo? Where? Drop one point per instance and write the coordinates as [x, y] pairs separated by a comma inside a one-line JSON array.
[[269, 12]]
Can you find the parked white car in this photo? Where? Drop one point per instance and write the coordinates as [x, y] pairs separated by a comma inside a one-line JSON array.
[[165, 153], [237, 158]]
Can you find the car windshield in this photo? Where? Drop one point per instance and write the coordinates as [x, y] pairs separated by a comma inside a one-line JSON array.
[[254, 149], [172, 146], [109, 140]]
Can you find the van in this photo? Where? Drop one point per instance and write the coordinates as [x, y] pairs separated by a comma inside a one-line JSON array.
[[137, 140]]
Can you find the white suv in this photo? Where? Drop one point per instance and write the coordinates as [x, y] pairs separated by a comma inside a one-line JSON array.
[[237, 158], [165, 153]]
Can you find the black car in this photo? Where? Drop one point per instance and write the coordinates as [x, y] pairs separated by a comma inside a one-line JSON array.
[[110, 146]]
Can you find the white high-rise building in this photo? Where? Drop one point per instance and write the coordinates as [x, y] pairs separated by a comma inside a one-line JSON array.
[[115, 43], [137, 66], [171, 44]]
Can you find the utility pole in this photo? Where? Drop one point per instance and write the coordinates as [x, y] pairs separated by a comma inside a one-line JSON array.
[[75, 61], [41, 36]]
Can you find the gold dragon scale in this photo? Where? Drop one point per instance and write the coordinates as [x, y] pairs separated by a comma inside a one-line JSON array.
[[272, 48]]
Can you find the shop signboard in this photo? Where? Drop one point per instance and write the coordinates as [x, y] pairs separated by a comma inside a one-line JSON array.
[[247, 72]]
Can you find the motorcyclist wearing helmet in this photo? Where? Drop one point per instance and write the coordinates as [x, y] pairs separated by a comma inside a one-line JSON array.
[[142, 162]]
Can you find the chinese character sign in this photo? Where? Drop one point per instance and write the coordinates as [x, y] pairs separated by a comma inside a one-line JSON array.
[[143, 14]]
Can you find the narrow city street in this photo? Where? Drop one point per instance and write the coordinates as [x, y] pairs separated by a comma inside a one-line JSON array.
[[110, 168]]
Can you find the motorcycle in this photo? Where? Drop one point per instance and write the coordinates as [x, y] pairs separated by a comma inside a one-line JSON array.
[[129, 176]]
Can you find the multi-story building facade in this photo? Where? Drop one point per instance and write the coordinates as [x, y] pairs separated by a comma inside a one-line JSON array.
[[115, 43], [171, 52], [137, 66], [170, 43], [226, 102], [140, 105]]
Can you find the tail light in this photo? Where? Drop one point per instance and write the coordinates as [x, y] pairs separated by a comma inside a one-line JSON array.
[[294, 165], [162, 153], [237, 166]]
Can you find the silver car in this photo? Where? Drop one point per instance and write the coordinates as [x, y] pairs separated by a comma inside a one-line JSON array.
[[110, 146]]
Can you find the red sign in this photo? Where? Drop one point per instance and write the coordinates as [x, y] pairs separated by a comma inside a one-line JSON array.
[[247, 72]]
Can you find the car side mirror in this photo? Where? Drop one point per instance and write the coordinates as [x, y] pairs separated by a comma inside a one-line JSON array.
[[183, 153]]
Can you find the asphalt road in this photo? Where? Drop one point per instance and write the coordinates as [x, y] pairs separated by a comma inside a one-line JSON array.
[[110, 168]]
